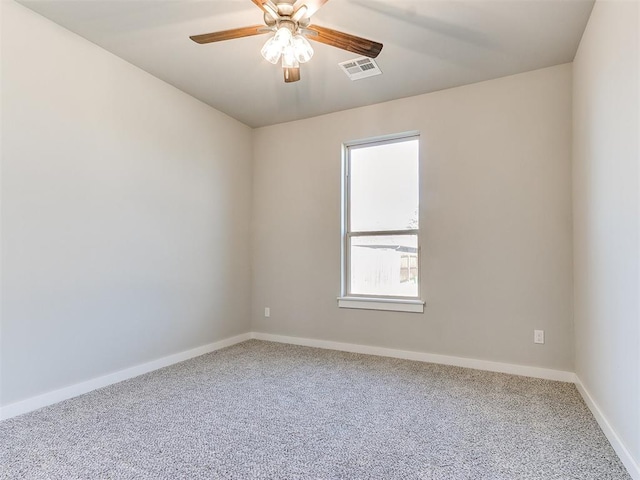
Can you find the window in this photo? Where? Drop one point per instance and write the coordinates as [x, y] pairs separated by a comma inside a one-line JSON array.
[[381, 224]]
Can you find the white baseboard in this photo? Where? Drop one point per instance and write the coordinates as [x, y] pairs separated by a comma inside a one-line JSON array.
[[537, 372], [623, 452], [71, 391]]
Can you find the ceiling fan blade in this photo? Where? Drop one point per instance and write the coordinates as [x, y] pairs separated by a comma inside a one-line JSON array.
[[312, 6], [291, 74], [345, 41], [267, 7], [300, 13], [230, 34]]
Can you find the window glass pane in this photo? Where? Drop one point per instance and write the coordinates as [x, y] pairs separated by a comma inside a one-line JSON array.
[[384, 187], [384, 265]]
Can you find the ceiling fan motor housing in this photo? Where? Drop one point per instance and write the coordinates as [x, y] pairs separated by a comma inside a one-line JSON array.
[[288, 24], [282, 17], [285, 9]]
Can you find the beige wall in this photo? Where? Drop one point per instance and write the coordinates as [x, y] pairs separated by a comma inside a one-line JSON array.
[[495, 213], [125, 213], [607, 215]]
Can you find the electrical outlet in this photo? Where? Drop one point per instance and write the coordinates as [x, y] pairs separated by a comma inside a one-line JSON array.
[[267, 312], [538, 336]]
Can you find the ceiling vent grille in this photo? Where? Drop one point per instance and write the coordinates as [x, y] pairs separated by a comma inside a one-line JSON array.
[[360, 68]]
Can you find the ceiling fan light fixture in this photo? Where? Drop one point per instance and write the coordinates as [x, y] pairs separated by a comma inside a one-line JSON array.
[[271, 51], [301, 48], [283, 36], [276, 45], [289, 59]]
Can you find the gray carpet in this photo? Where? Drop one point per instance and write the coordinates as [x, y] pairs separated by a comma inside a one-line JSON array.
[[270, 411]]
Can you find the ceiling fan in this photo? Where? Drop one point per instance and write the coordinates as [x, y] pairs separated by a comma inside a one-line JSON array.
[[291, 22]]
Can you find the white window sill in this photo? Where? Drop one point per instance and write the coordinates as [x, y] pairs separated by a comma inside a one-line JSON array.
[[389, 304]]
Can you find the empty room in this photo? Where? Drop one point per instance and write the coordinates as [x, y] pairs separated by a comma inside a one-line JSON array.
[[320, 239]]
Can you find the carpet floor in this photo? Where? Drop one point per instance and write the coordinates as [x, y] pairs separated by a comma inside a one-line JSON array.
[[261, 410]]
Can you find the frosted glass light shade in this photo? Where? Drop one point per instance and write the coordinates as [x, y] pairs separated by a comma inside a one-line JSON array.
[[289, 58], [271, 51], [302, 48], [283, 36], [293, 49]]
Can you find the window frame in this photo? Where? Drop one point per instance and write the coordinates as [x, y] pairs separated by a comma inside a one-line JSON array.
[[371, 301]]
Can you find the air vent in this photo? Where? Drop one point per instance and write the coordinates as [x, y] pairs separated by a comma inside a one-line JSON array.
[[360, 68]]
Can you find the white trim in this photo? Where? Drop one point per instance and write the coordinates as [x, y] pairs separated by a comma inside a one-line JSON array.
[[382, 139], [389, 304], [71, 391], [618, 445], [345, 215], [523, 370]]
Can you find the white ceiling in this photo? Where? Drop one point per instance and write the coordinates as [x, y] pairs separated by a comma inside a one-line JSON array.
[[429, 45]]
